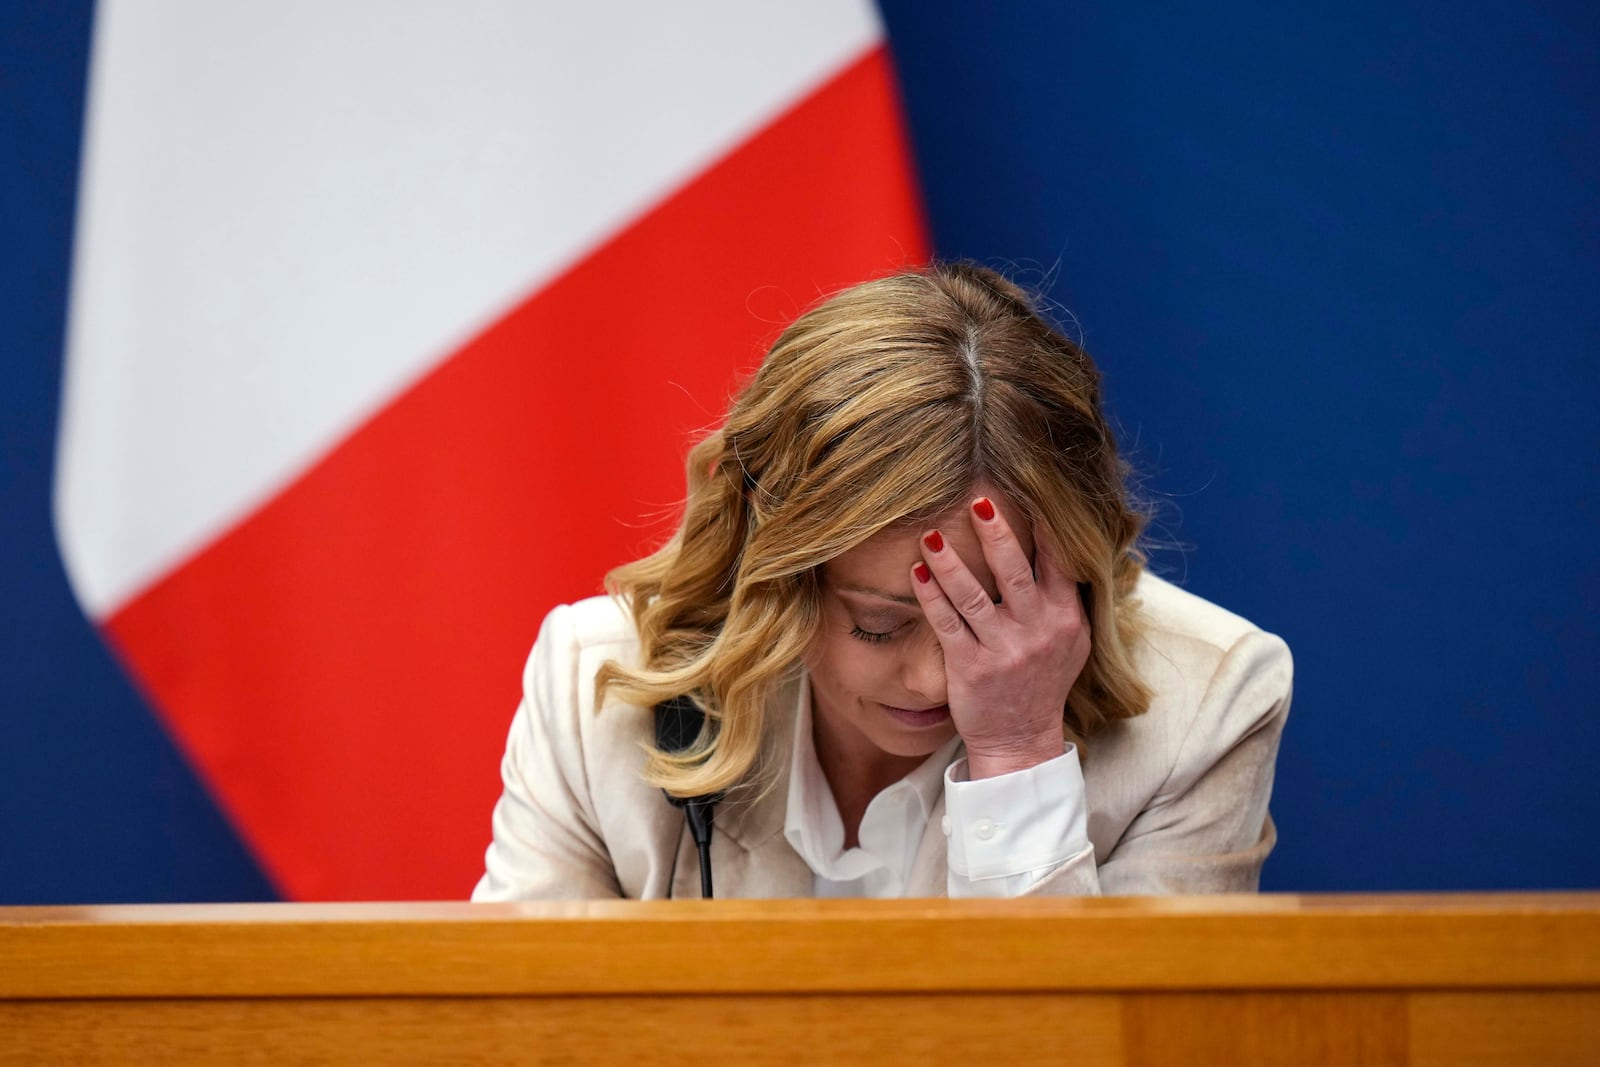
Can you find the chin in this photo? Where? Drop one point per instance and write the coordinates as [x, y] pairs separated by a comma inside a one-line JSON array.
[[914, 748], [900, 740]]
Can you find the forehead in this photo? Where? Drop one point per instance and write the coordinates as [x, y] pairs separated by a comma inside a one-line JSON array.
[[882, 563], [876, 563]]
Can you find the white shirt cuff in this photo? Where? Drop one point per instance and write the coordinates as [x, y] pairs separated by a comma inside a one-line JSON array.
[[1008, 832]]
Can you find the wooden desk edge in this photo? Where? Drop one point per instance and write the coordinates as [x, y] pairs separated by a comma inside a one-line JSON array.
[[1466, 941]]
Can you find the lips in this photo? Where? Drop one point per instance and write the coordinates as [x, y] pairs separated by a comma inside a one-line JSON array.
[[919, 716]]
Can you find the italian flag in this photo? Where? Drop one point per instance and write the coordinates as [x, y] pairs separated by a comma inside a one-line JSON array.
[[390, 327]]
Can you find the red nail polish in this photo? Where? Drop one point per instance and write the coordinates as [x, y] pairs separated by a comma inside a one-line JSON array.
[[933, 541], [983, 509], [924, 575]]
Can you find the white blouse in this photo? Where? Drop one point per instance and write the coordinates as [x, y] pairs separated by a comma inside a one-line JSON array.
[[1004, 833]]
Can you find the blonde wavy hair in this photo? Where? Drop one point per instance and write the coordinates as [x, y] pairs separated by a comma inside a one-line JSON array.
[[882, 406]]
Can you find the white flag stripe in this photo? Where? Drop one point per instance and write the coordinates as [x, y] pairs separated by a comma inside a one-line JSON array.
[[292, 210]]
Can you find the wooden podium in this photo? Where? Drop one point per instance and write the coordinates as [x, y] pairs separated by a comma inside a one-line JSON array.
[[1509, 979]]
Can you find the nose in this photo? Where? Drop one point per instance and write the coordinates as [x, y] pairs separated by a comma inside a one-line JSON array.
[[922, 669]]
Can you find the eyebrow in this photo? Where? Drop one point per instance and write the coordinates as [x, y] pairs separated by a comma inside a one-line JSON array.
[[909, 601]]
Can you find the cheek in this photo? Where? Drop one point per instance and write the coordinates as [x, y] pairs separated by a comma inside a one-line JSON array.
[[844, 664]]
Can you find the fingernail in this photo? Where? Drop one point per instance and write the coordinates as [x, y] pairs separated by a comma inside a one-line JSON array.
[[933, 541], [924, 575], [983, 509]]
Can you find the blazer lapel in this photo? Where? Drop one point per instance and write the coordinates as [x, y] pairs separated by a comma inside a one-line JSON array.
[[750, 856], [755, 859]]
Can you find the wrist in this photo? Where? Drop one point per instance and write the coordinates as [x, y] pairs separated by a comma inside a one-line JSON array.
[[991, 761]]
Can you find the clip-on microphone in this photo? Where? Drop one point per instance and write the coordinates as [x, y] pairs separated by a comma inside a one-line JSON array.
[[678, 725]]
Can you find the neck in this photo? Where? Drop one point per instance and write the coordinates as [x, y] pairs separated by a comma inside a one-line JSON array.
[[856, 771]]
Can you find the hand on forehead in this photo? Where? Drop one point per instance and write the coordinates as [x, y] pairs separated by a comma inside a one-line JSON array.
[[881, 564]]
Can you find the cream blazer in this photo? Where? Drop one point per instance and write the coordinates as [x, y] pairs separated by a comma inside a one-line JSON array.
[[1177, 797]]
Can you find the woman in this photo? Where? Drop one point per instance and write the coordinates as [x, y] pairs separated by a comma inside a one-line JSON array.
[[907, 599]]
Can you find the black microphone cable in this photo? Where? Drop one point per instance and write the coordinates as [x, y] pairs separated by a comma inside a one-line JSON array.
[[678, 725]]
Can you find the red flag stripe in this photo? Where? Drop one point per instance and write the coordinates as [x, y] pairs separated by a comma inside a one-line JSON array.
[[341, 666]]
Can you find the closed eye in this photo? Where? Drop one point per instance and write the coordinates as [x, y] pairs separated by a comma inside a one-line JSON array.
[[871, 637]]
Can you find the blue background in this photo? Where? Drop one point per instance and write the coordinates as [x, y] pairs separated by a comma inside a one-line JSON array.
[[1340, 269]]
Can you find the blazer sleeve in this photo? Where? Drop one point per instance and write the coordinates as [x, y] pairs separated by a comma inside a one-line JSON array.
[[547, 844], [1206, 829]]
